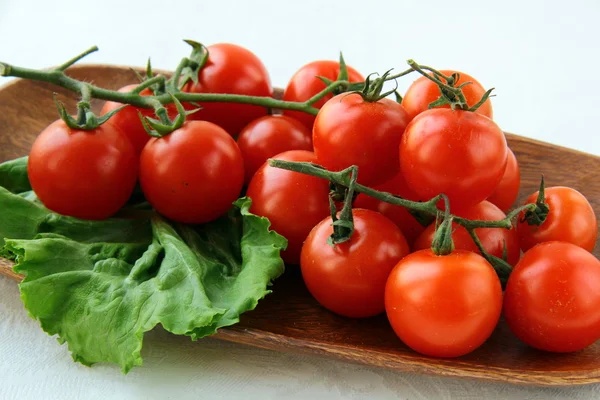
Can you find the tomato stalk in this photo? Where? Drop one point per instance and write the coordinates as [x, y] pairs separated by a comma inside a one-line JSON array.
[[538, 215], [442, 243], [343, 226]]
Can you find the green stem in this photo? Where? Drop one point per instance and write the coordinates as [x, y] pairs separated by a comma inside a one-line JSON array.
[[147, 83], [457, 91], [73, 60], [429, 207], [58, 78], [325, 92]]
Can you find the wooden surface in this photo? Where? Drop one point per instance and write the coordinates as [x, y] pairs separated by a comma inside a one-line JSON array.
[[290, 320]]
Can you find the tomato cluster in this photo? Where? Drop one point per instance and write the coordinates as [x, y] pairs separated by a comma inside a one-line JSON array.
[[443, 304]]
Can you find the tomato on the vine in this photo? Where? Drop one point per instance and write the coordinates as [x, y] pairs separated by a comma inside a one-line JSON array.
[[231, 69], [293, 202], [571, 219], [349, 278], [305, 83], [194, 174], [128, 119], [87, 174], [506, 192], [459, 153], [408, 224], [352, 131], [552, 298], [493, 240], [423, 92], [268, 136], [443, 306]]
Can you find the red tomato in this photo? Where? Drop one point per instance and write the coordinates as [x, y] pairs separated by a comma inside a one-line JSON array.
[[423, 92], [349, 278], [128, 120], [351, 131], [305, 84], [410, 227], [571, 219], [459, 153], [194, 174], [293, 202], [235, 70], [492, 239], [268, 136], [443, 306], [506, 192], [552, 298], [85, 174]]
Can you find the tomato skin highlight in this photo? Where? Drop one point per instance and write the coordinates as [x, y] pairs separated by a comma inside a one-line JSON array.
[[410, 227], [423, 92], [231, 69], [507, 191], [268, 136], [459, 153], [351, 131], [492, 239], [349, 279], [84, 174], [293, 202], [571, 219], [304, 84], [194, 174], [128, 119], [552, 298], [443, 306]]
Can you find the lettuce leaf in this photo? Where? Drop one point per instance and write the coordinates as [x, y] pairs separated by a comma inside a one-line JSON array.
[[99, 285]]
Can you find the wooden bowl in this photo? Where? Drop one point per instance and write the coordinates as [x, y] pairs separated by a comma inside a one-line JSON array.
[[290, 319]]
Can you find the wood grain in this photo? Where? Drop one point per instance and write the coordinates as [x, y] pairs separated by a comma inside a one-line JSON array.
[[290, 320]]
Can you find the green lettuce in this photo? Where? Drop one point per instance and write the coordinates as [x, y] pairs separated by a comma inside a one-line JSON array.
[[99, 285]]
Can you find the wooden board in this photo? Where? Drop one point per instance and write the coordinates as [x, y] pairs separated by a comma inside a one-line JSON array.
[[290, 320]]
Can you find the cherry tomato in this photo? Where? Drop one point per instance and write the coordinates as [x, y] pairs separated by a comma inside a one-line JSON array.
[[552, 298], [85, 174], [349, 278], [443, 306], [410, 227], [305, 84], [459, 153], [268, 136], [293, 202], [423, 92], [128, 120], [492, 239], [351, 131], [235, 70], [194, 174], [571, 219], [506, 192]]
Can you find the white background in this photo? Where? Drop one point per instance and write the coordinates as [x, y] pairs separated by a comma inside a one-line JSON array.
[[541, 56]]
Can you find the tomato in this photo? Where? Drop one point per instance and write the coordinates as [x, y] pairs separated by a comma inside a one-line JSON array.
[[194, 174], [351, 131], [571, 219], [85, 174], [459, 153], [552, 298], [423, 92], [268, 136], [410, 227], [349, 278], [492, 239], [293, 202], [506, 192], [235, 70], [443, 306], [128, 120], [305, 84]]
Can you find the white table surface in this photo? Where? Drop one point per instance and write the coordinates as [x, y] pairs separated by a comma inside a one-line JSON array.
[[541, 56]]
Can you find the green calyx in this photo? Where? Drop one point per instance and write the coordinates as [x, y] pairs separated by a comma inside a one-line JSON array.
[[538, 215], [343, 226], [164, 125], [189, 68], [450, 92], [86, 119], [372, 90], [442, 243]]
